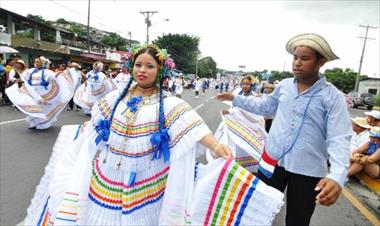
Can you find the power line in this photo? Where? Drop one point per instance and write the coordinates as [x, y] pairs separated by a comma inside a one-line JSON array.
[[81, 14], [361, 58]]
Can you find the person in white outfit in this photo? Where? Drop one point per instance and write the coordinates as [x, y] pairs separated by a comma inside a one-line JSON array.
[[122, 78], [43, 93], [95, 87], [197, 87], [179, 87], [360, 134]]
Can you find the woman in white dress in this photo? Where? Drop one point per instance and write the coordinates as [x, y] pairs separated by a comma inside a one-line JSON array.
[[96, 86], [243, 131], [43, 94], [125, 165], [121, 80], [178, 87]]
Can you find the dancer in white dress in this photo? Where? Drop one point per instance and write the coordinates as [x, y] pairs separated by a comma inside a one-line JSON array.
[[125, 165], [178, 87], [43, 94], [122, 79], [96, 86], [244, 132]]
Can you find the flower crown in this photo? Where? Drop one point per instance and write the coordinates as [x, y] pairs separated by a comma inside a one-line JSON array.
[[166, 62]]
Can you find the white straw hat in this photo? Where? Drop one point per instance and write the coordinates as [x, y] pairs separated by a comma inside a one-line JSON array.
[[314, 41], [374, 113], [362, 122]]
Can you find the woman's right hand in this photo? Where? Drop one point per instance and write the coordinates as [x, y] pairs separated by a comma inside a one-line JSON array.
[[225, 96], [221, 150]]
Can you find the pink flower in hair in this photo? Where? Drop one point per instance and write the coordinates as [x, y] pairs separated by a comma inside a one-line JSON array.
[[169, 62]]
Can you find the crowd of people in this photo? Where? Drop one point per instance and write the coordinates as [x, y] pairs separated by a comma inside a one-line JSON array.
[[365, 145], [134, 161]]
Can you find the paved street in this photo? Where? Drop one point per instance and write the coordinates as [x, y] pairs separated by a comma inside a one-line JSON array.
[[24, 154]]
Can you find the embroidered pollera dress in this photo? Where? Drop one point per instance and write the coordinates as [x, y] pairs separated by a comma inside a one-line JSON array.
[[121, 80], [118, 182], [43, 84], [96, 86], [244, 133]]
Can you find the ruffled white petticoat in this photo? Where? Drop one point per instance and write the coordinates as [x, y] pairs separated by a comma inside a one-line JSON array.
[[58, 93]]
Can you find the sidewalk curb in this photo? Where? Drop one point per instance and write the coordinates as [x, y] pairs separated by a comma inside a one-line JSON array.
[[372, 184]]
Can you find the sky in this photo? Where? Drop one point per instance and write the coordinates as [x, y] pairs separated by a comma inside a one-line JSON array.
[[233, 33]]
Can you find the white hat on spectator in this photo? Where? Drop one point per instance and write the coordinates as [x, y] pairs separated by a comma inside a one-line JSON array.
[[374, 113], [74, 64], [362, 122]]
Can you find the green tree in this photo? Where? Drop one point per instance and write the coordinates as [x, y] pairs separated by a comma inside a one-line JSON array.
[[183, 49], [207, 67], [47, 36], [276, 75], [61, 21], [37, 18], [115, 40], [78, 30], [344, 80]]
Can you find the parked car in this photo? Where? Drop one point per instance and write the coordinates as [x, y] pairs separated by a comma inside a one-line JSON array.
[[363, 99]]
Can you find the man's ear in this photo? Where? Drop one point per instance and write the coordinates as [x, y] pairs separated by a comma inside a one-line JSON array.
[[322, 62]]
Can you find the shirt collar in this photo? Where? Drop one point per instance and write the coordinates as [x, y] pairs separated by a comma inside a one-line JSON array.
[[319, 84]]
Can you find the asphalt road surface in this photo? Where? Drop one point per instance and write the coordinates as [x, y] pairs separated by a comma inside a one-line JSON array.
[[24, 154]]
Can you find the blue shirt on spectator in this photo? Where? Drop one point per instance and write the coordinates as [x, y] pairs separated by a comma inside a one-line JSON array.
[[324, 135]]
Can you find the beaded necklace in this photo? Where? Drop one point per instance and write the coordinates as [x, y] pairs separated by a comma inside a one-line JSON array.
[[134, 105]]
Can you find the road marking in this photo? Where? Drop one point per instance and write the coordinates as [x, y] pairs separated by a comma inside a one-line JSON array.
[[198, 107], [211, 98], [12, 121], [360, 207]]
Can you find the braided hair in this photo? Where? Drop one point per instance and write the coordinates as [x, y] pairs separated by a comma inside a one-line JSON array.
[[159, 139]]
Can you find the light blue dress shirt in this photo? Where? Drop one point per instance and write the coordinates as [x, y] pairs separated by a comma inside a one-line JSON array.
[[324, 135]]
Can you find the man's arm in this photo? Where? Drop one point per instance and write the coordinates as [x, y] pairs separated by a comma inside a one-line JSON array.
[[265, 105], [339, 132]]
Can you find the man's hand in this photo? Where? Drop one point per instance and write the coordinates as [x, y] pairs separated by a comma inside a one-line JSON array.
[[329, 191], [225, 96]]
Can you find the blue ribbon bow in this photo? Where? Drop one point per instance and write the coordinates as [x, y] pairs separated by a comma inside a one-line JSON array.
[[103, 130], [160, 141], [43, 82], [132, 104]]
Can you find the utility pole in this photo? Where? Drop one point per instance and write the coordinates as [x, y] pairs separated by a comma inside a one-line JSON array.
[[147, 15], [361, 58], [130, 39], [88, 27], [196, 69]]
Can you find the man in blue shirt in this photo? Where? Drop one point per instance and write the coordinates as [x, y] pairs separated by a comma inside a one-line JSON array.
[[312, 126]]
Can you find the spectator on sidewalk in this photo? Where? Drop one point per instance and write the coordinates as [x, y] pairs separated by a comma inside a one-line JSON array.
[[373, 118], [360, 133], [12, 73], [366, 158], [3, 77], [312, 126]]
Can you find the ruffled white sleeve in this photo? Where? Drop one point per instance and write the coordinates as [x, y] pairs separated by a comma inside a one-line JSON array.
[[186, 128]]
